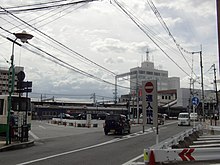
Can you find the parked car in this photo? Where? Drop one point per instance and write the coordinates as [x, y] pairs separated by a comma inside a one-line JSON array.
[[194, 116], [161, 119], [81, 116], [102, 116], [166, 116], [117, 123], [65, 116], [184, 119]]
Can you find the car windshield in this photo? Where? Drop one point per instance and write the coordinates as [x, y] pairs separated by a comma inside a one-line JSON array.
[[112, 117], [193, 114], [183, 116]]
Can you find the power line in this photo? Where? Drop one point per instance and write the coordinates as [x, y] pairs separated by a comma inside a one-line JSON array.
[[43, 7], [141, 28], [59, 43], [162, 22]]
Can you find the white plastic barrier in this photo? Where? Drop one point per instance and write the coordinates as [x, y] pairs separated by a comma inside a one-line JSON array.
[[77, 123], [186, 154], [175, 139], [163, 152]]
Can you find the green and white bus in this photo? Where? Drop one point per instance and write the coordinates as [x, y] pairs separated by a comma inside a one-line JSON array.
[[21, 109]]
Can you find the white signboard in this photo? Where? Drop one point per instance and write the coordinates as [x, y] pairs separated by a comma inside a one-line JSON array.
[[149, 102]]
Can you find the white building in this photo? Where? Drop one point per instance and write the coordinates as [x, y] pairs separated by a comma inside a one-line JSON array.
[[148, 72], [4, 72]]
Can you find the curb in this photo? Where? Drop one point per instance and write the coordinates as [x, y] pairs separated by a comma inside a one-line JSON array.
[[17, 146]]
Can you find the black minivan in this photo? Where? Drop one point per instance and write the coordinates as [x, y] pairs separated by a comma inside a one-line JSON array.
[[117, 123]]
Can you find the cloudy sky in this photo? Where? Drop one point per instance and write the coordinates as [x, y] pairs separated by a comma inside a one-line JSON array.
[[99, 40]]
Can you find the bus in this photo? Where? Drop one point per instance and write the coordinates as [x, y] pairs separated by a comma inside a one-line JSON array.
[[21, 109]]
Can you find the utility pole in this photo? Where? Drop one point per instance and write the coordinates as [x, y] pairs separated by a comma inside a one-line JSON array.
[[137, 95], [216, 91], [218, 24], [115, 93], [202, 85]]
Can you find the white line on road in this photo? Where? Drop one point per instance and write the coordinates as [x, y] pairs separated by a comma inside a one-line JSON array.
[[33, 135], [42, 126], [132, 160], [80, 149]]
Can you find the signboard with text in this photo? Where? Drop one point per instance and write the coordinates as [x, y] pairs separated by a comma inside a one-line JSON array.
[[149, 102]]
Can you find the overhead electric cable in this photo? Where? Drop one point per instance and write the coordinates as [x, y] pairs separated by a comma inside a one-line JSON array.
[[36, 4], [160, 19], [150, 37], [60, 43], [62, 63], [150, 31], [44, 7]]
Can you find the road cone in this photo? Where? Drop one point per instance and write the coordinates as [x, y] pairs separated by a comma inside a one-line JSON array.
[[152, 158]]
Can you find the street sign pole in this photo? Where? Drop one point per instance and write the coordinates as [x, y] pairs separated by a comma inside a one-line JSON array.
[[195, 102], [149, 105], [194, 123]]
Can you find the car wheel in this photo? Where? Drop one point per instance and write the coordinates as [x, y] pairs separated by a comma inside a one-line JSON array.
[[129, 131], [122, 131], [106, 132]]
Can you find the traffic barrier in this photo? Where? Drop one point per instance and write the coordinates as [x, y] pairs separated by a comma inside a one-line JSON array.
[[76, 123], [172, 145], [185, 154]]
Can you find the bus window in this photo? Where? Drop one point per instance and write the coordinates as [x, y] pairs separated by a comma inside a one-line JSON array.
[[1, 106]]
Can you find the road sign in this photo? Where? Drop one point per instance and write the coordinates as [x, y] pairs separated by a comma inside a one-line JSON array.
[[195, 101], [149, 87], [149, 102]]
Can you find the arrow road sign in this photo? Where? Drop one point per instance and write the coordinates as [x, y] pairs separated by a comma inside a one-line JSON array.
[[186, 153], [195, 101]]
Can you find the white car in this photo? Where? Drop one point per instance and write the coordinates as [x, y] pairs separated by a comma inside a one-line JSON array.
[[184, 119]]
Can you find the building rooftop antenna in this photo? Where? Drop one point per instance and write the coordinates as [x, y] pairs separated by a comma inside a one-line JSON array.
[[147, 55]]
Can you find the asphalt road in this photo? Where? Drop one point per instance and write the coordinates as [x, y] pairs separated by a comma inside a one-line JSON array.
[[55, 145]]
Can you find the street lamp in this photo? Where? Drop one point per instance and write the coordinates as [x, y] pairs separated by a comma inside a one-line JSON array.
[[24, 37], [201, 67]]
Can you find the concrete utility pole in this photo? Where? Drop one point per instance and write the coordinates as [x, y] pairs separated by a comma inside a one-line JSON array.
[[115, 93], [202, 85], [218, 24], [216, 91]]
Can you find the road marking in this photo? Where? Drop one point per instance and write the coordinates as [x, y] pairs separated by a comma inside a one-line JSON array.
[[85, 148], [81, 149], [132, 160], [42, 126], [33, 135]]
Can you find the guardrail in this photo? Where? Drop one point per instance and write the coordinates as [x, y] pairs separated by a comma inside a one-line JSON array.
[[163, 152], [185, 154]]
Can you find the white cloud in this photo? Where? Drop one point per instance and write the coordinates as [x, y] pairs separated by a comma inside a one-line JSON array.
[[102, 33]]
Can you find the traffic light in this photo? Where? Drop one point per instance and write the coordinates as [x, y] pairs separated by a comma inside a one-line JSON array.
[[23, 86]]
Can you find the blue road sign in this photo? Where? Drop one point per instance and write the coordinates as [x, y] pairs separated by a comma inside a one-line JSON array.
[[195, 101]]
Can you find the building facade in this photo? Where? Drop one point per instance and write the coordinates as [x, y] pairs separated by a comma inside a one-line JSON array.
[[4, 75], [148, 72]]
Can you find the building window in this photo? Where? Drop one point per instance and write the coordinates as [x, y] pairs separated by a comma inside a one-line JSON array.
[[164, 75], [162, 97], [156, 74], [141, 72], [149, 73], [169, 97], [133, 72]]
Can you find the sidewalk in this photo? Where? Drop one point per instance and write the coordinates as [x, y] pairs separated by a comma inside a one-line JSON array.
[[14, 145]]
